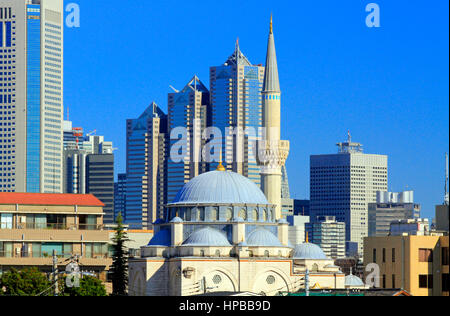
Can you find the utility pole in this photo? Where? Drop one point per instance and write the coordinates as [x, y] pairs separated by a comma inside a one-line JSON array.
[[55, 272]]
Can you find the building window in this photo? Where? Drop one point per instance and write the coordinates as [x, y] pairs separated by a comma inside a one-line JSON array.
[[384, 281], [218, 253], [374, 256], [425, 255], [393, 281], [393, 254], [266, 254], [426, 281], [384, 255], [445, 255], [445, 282]]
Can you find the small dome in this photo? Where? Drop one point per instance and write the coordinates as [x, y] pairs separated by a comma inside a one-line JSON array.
[[309, 251], [353, 280], [220, 187], [161, 238], [207, 237], [176, 220], [263, 238]]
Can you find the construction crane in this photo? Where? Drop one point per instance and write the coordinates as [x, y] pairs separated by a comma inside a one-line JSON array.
[[77, 132]]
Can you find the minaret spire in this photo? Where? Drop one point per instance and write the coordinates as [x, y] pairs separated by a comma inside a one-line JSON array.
[[271, 80]]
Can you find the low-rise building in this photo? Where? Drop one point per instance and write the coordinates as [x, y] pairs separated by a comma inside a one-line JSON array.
[[417, 264], [296, 229], [34, 225]]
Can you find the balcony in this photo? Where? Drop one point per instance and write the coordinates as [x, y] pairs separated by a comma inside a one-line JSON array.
[[50, 226]]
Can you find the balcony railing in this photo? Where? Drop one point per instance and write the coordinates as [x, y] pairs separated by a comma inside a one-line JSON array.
[[9, 254], [57, 226]]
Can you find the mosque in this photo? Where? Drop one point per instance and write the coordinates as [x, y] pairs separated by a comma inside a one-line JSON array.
[[222, 233]]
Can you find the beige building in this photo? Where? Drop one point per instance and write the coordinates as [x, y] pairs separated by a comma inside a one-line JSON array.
[[417, 264], [33, 225]]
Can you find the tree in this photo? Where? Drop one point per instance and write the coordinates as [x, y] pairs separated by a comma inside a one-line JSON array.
[[119, 267], [28, 282], [89, 286]]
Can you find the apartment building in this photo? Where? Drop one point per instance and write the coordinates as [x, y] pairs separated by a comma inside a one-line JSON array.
[[33, 225]]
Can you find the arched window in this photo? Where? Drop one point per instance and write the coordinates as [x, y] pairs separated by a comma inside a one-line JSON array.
[[255, 215], [218, 253], [315, 267], [214, 215], [266, 254], [229, 214], [202, 253], [188, 215], [243, 214], [265, 215]]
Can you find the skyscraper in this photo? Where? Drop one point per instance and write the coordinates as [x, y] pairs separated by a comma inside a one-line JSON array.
[[31, 95], [272, 151], [343, 184], [189, 109], [236, 104], [146, 179]]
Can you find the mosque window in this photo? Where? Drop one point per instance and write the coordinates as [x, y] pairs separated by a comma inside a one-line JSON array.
[[270, 279], [188, 215], [201, 214], [266, 254], [229, 214], [315, 267], [243, 214], [255, 215], [202, 253], [218, 253], [217, 279], [265, 215], [214, 215]]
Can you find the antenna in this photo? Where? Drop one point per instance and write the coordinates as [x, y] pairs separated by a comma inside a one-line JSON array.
[[446, 196]]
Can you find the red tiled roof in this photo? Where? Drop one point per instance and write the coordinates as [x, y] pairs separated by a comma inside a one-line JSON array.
[[49, 199]]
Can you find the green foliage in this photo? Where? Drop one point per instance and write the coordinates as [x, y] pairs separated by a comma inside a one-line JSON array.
[[28, 282], [89, 286], [119, 267]]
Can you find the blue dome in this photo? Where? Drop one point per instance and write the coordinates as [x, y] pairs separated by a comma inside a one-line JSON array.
[[207, 237], [353, 280], [220, 187], [162, 238], [262, 237], [309, 251]]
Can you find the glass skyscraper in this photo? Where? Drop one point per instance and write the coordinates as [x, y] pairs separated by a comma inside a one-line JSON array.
[[31, 95], [188, 108], [146, 177], [236, 102]]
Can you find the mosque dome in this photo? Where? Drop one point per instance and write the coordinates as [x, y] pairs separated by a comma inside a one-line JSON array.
[[161, 238], [263, 238], [207, 237], [218, 187], [309, 251], [353, 281]]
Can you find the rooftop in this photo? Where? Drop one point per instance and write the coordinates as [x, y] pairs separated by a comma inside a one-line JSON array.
[[49, 199]]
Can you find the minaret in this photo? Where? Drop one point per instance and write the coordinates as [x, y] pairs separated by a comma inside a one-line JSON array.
[[272, 151]]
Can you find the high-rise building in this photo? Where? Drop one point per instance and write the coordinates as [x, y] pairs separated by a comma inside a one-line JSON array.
[[31, 95], [88, 167], [272, 152], [236, 104], [391, 207], [187, 109], [343, 184], [301, 207], [120, 194], [146, 168], [329, 235]]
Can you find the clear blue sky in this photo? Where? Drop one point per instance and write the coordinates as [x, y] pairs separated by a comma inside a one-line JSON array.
[[388, 86]]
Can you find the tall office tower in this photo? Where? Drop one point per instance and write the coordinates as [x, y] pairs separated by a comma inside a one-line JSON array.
[[329, 234], [272, 151], [146, 168], [88, 167], [343, 184], [188, 109], [442, 211], [391, 207], [120, 194], [236, 104], [31, 95]]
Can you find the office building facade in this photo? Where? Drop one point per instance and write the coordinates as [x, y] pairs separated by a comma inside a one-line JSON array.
[[146, 179], [120, 195], [187, 109], [31, 95], [236, 103], [329, 235], [343, 185], [391, 207]]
